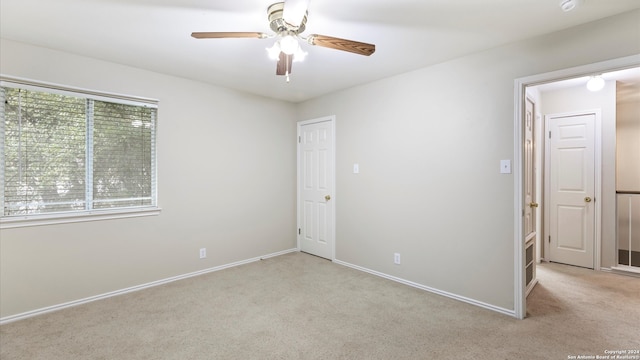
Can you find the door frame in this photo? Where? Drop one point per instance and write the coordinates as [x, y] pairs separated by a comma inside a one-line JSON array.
[[597, 168], [520, 84], [332, 120]]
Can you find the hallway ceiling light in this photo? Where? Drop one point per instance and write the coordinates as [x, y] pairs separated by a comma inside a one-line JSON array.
[[595, 83]]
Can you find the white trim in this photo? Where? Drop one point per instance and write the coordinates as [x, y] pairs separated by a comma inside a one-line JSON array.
[[597, 227], [429, 289], [520, 302], [35, 85], [519, 250], [272, 255], [10, 222], [48, 309], [625, 270], [332, 120]]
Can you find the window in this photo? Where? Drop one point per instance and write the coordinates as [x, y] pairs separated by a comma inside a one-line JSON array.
[[71, 154]]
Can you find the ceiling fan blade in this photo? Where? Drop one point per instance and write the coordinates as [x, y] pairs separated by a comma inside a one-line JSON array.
[[355, 47], [284, 64], [223, 35]]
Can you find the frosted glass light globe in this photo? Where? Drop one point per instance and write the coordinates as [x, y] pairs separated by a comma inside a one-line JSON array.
[[289, 45], [596, 83]]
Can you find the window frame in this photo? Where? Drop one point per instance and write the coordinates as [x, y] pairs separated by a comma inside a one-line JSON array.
[[14, 221]]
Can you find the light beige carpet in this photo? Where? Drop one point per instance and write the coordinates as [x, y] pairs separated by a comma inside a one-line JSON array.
[[298, 306]]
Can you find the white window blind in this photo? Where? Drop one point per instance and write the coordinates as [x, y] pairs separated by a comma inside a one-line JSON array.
[[122, 155], [64, 152]]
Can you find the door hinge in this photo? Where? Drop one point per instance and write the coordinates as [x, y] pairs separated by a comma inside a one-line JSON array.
[[549, 238], [549, 134], [299, 231], [299, 139]]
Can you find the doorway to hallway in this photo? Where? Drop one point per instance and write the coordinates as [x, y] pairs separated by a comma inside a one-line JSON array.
[[607, 249]]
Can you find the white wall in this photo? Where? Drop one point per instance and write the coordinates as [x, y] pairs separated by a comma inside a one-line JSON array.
[[628, 144], [429, 144], [226, 175], [628, 165]]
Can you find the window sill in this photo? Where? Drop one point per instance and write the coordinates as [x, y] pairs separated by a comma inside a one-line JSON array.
[[10, 222]]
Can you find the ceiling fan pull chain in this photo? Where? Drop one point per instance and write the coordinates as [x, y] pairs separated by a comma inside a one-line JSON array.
[[288, 62]]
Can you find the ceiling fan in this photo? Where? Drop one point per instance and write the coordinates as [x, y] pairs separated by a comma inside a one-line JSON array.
[[288, 20]]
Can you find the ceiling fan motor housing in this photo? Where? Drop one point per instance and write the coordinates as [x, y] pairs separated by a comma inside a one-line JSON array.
[[277, 23]]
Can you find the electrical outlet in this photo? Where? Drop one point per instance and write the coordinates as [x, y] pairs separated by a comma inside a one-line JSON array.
[[396, 258], [203, 253]]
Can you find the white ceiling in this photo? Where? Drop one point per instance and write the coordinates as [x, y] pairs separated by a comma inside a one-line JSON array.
[[627, 87], [409, 34]]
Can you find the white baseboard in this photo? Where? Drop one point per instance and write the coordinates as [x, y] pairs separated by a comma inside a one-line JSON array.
[[48, 309], [625, 270], [430, 289]]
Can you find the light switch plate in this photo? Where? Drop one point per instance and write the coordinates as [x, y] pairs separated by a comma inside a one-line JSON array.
[[505, 166], [356, 168]]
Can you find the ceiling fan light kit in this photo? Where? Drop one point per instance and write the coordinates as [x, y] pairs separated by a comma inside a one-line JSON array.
[[288, 20], [288, 45]]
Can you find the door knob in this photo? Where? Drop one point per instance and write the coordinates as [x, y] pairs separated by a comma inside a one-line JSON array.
[[587, 199], [533, 204], [327, 197]]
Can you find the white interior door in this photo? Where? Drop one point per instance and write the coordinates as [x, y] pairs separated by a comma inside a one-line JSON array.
[[530, 199], [571, 175], [316, 187]]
